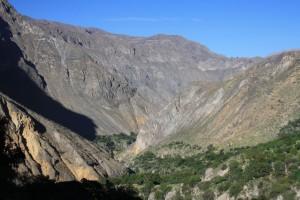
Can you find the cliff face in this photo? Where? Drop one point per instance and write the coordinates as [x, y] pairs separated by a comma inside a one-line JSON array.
[[117, 81], [52, 138], [60, 156], [244, 110]]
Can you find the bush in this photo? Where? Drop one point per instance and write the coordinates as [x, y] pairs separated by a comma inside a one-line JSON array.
[[279, 168], [235, 189], [159, 195], [224, 166], [295, 175], [257, 169], [116, 142], [278, 188], [289, 195], [224, 186], [208, 195], [235, 171], [293, 127]]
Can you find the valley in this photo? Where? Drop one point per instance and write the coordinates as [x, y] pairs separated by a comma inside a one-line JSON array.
[[158, 117]]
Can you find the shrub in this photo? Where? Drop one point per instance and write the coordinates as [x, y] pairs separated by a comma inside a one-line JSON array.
[[279, 187], [159, 195], [295, 175], [224, 186], [235, 171], [257, 169], [116, 142], [279, 168], [208, 195], [235, 189], [224, 166], [289, 195], [293, 127]]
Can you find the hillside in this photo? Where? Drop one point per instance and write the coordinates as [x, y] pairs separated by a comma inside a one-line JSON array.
[[266, 171], [244, 110], [119, 82]]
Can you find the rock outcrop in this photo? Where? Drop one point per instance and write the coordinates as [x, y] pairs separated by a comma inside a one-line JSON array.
[[55, 153], [244, 110]]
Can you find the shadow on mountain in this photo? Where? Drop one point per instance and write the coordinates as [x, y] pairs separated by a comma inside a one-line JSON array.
[[20, 81], [36, 188]]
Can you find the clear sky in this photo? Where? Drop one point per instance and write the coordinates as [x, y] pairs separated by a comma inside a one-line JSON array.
[[228, 27]]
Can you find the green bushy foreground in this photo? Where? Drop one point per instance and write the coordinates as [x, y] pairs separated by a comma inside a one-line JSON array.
[[265, 171]]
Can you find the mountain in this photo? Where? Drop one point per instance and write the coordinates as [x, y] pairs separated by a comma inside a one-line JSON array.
[[37, 125], [115, 80], [63, 87], [246, 109]]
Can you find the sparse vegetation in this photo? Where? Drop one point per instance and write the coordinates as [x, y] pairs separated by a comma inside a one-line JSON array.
[[115, 143]]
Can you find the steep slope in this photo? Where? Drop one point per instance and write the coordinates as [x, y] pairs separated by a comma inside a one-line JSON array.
[[120, 82], [42, 129], [53, 152], [245, 110]]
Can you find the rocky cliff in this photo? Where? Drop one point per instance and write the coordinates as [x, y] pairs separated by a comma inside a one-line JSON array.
[[40, 127], [244, 110], [52, 152], [117, 81]]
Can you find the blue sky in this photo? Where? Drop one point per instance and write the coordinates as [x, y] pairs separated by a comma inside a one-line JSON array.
[[229, 27]]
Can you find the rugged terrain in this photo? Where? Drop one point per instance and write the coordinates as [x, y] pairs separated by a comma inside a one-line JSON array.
[[49, 152], [65, 90], [51, 149], [244, 110], [265, 171], [119, 82]]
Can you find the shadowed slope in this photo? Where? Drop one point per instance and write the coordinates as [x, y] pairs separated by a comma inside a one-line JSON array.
[[41, 187], [16, 84]]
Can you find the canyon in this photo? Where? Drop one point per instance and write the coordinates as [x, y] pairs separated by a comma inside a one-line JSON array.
[[61, 86]]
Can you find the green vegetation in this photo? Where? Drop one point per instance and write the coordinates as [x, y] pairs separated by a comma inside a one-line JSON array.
[[115, 143], [271, 167]]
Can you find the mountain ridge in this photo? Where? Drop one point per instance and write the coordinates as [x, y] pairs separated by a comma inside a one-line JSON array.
[[117, 63]]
